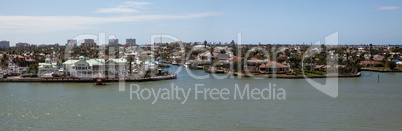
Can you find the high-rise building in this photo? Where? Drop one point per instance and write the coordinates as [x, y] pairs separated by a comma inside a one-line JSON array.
[[113, 42], [130, 41], [89, 41], [21, 44], [89, 44], [71, 43], [4, 44]]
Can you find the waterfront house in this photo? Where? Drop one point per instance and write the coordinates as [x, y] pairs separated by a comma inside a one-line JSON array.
[[371, 64], [83, 67], [282, 57], [335, 68], [378, 57], [223, 58], [399, 64], [23, 61], [86, 68], [207, 57], [47, 66], [273, 67], [115, 66], [254, 63]]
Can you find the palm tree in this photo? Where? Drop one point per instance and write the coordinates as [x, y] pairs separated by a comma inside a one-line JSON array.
[[4, 61], [295, 62], [236, 65], [348, 63], [130, 60], [356, 64], [162, 66], [211, 50]]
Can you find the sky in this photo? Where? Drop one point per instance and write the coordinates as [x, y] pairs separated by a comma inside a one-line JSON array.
[[259, 21]]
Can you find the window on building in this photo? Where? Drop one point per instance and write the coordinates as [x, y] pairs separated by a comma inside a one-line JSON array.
[[81, 67]]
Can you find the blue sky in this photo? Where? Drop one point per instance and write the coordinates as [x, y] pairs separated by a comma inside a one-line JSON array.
[[265, 21]]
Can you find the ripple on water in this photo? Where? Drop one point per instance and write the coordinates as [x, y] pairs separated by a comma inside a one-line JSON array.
[[363, 104]]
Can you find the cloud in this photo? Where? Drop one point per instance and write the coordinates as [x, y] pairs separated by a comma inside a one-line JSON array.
[[116, 10], [34, 24], [126, 7], [387, 7], [139, 5]]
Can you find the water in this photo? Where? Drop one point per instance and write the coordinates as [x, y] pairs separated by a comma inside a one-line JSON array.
[[362, 104]]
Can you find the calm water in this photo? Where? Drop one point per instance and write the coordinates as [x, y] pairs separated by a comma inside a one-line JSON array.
[[362, 104]]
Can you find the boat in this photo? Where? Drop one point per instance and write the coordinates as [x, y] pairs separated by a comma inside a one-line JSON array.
[[99, 79], [213, 70], [99, 82], [187, 64], [174, 63], [199, 67]]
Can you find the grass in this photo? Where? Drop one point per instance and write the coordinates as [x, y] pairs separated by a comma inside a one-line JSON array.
[[299, 74], [306, 73], [375, 68], [381, 68], [24, 76]]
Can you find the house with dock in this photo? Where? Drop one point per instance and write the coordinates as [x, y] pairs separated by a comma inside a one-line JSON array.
[[119, 67], [47, 66], [83, 67], [273, 67], [208, 58], [255, 65]]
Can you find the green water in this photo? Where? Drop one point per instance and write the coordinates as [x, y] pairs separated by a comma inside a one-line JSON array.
[[362, 104]]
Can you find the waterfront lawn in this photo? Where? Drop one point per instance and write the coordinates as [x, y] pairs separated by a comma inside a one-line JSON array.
[[381, 68], [306, 73], [375, 68], [284, 74]]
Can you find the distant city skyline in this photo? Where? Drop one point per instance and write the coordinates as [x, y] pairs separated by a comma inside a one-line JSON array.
[[291, 22]]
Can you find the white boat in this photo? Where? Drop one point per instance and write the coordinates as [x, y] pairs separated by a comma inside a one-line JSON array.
[[174, 63], [187, 64]]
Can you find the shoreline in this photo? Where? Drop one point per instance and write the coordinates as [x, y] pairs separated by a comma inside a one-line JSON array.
[[277, 76], [87, 80], [298, 77], [374, 70]]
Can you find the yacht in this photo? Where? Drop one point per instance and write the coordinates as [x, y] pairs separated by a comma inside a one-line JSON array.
[[187, 64]]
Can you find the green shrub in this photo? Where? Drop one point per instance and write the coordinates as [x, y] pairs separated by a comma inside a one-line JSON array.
[[390, 65], [23, 76]]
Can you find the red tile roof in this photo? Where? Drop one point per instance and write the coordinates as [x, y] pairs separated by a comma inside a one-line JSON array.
[[274, 63]]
